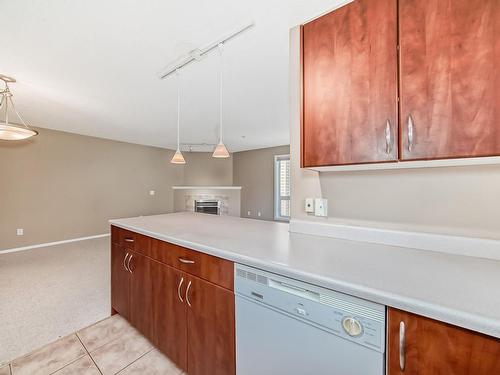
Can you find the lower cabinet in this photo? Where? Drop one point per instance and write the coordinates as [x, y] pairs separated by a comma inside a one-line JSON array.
[[189, 318], [423, 346], [211, 328]]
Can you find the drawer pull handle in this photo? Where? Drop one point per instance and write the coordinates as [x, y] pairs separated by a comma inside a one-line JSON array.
[[186, 261], [125, 262], [129, 239], [187, 294], [179, 290], [128, 263], [402, 346]]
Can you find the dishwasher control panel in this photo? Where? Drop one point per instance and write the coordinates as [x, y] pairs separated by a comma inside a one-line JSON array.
[[346, 316]]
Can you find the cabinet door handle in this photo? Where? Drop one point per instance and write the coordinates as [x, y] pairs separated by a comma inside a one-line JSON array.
[[128, 263], [402, 345], [129, 239], [179, 289], [410, 133], [125, 262], [187, 294], [388, 137], [186, 261]]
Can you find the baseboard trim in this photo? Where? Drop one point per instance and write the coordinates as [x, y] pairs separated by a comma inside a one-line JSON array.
[[469, 246], [23, 248]]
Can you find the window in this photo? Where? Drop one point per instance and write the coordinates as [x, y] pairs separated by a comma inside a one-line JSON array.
[[282, 187]]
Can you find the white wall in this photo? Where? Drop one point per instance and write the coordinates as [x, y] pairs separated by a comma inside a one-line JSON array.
[[453, 200]]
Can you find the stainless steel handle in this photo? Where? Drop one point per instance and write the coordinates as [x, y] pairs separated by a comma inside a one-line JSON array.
[[410, 133], [186, 261], [179, 289], [129, 239], [388, 137], [128, 263], [402, 346], [187, 294], [125, 262]]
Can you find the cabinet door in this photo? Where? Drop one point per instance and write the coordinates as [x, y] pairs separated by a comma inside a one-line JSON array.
[[211, 339], [141, 294], [436, 348], [119, 281], [450, 86], [349, 72], [169, 313]]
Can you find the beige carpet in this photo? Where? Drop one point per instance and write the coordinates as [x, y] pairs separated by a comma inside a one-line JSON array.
[[50, 292]]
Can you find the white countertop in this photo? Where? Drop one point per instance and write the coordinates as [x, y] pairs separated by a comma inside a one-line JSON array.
[[456, 289]]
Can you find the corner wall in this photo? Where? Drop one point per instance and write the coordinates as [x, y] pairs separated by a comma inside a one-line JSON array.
[[452, 200]]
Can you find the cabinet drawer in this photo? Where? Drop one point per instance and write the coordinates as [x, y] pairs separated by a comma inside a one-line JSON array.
[[208, 267], [131, 240]]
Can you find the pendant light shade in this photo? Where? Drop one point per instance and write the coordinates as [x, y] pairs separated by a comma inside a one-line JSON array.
[[10, 131], [220, 150], [178, 158]]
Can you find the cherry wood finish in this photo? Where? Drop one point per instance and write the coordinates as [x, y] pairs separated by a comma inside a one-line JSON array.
[[169, 312], [119, 281], [131, 241], [450, 84], [141, 295], [436, 348], [216, 270], [349, 68], [211, 329]]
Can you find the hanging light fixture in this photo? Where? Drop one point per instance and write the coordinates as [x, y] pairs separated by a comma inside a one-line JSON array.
[[10, 131], [220, 150], [178, 158]]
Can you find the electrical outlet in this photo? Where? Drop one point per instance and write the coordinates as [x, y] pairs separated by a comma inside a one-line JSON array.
[[152, 192], [309, 205], [20, 232], [321, 207], [258, 214], [249, 213]]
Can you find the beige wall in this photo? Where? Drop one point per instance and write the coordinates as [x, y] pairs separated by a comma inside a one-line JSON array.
[[204, 170], [456, 200], [254, 172], [60, 186]]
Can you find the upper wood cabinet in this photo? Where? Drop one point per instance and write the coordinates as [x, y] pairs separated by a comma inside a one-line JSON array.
[[349, 67], [422, 346], [450, 84], [446, 74]]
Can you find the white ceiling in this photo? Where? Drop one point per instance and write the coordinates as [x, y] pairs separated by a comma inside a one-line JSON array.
[[91, 67]]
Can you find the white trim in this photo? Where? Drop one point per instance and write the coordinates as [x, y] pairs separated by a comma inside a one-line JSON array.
[[493, 160], [469, 246], [16, 249], [206, 187]]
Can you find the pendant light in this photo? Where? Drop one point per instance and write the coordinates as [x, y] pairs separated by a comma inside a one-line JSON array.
[[178, 158], [220, 150], [10, 131]]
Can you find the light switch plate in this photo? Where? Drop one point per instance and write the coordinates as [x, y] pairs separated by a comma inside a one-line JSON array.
[[20, 232], [321, 207], [309, 207]]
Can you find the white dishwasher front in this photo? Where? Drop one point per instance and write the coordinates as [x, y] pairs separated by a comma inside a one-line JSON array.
[[287, 327]]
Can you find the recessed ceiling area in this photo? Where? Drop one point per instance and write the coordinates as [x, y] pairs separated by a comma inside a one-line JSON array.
[[92, 67]]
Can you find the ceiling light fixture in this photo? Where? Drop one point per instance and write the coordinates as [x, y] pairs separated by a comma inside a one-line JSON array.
[[10, 131], [178, 158], [221, 150]]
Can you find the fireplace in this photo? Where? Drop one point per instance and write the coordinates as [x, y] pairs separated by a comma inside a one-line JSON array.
[[207, 206]]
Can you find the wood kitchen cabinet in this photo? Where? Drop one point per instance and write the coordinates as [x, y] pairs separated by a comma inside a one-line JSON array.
[[446, 73], [170, 314], [119, 281], [180, 299], [349, 69], [450, 84], [211, 328], [429, 347]]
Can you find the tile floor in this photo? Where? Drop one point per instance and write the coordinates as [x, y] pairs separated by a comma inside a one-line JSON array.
[[108, 347]]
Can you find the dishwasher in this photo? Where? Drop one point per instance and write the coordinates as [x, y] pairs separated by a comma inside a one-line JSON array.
[[287, 327]]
